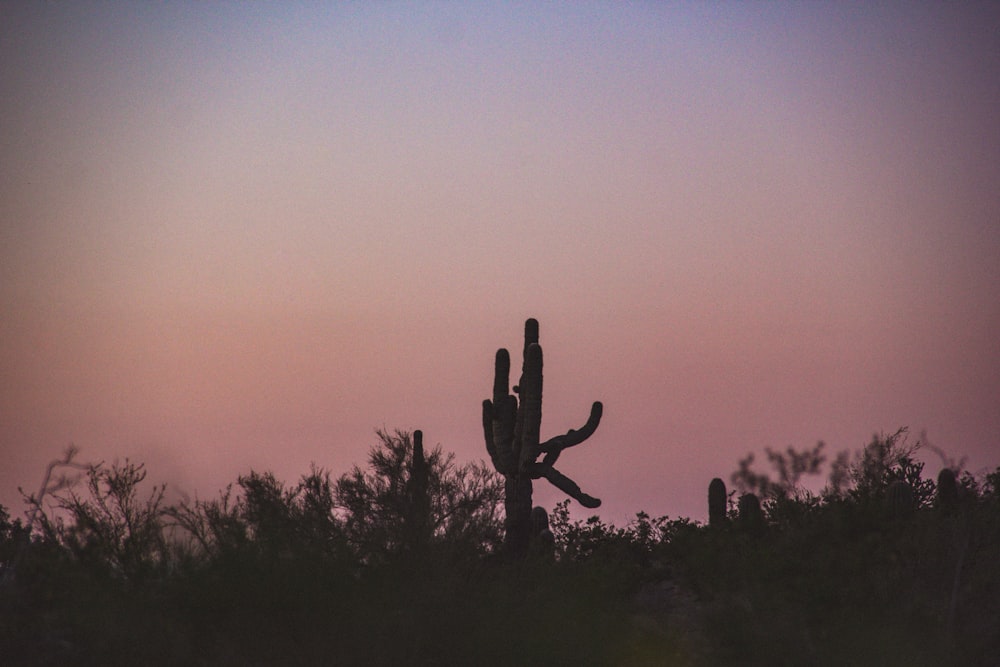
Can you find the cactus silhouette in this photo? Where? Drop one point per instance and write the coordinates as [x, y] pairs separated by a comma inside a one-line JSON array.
[[418, 513], [542, 540], [898, 499], [716, 503], [947, 490], [511, 426]]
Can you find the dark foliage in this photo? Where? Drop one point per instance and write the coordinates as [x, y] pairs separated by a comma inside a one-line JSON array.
[[378, 508], [511, 429], [332, 571]]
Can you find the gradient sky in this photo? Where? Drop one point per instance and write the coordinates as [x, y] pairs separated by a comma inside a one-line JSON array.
[[239, 236]]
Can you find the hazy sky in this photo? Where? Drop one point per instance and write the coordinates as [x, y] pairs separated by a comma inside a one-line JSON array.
[[239, 236]]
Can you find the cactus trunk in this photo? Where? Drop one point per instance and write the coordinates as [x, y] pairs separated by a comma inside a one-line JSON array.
[[418, 515]]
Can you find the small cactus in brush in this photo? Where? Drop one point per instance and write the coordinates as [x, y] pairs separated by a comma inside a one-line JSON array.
[[947, 490], [512, 425], [899, 499], [543, 542], [418, 515], [716, 503]]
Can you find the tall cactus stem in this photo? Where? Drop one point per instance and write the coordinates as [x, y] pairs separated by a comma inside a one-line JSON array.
[[418, 513], [947, 490], [716, 503]]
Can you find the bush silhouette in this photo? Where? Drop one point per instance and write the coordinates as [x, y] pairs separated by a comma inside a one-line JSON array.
[[377, 507], [329, 571]]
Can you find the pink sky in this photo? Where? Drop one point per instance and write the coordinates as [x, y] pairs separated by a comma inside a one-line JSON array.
[[238, 237]]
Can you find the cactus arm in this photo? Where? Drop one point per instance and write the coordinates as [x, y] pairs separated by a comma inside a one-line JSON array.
[[498, 429], [501, 374], [573, 437], [507, 418], [491, 447], [530, 333], [564, 484], [499, 416]]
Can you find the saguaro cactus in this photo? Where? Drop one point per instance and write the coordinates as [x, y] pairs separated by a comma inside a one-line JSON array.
[[512, 425], [716, 503]]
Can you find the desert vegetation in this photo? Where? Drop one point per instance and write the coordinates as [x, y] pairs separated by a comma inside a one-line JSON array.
[[402, 561], [414, 558]]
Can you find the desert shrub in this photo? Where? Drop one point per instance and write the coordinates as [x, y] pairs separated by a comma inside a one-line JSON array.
[[838, 579], [263, 520], [320, 572], [108, 526], [14, 536], [376, 507]]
